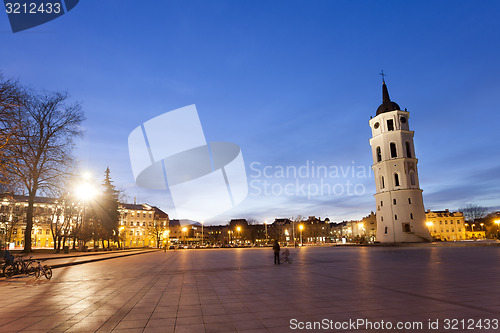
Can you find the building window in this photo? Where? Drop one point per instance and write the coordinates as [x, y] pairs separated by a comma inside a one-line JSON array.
[[394, 153], [411, 216], [406, 227], [381, 218], [143, 224], [382, 184], [379, 154], [396, 179], [409, 201], [385, 229], [390, 125], [381, 204], [408, 150], [395, 217], [394, 201], [47, 232], [138, 224]]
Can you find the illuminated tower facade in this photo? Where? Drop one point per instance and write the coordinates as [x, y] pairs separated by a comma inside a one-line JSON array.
[[400, 207]]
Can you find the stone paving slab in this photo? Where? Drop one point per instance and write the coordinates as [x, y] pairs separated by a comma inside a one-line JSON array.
[[61, 260], [240, 290]]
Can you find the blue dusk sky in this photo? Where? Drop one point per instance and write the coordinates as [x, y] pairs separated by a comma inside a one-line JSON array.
[[293, 83]]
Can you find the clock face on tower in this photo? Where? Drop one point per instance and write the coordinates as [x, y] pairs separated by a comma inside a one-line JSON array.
[[376, 125], [403, 120]]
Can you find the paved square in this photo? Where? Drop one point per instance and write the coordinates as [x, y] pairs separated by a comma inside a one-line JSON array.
[[241, 290]]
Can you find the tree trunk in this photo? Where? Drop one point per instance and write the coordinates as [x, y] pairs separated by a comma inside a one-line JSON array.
[[29, 222]]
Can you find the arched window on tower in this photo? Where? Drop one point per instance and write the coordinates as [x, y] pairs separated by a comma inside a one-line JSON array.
[[394, 153], [408, 150], [379, 154], [382, 183], [396, 179], [412, 178]]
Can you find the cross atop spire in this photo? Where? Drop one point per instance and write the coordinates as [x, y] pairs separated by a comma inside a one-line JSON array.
[[382, 74]]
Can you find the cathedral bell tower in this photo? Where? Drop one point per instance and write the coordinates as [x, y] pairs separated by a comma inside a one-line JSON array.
[[400, 207]]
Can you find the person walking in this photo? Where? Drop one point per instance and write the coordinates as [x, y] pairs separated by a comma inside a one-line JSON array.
[[276, 249]]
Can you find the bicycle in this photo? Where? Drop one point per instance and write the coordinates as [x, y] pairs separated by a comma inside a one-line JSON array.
[[30, 266], [40, 269], [17, 266], [285, 258]]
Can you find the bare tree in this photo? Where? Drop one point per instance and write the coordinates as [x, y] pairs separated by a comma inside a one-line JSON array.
[[38, 156], [11, 99], [156, 230], [473, 212]]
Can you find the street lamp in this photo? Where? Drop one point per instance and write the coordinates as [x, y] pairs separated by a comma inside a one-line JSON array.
[[300, 228], [120, 230], [166, 237], [265, 227], [202, 235], [497, 222], [184, 234], [238, 228], [85, 191]]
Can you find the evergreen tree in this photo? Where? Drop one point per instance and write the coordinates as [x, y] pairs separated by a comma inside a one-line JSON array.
[[107, 210]]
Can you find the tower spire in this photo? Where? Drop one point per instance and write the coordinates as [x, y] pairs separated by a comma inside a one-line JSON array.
[[387, 105], [385, 93]]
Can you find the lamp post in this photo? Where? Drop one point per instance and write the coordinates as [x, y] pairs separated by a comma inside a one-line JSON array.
[[85, 191], [184, 234], [300, 228], [238, 228], [202, 235], [265, 227], [120, 230], [361, 228]]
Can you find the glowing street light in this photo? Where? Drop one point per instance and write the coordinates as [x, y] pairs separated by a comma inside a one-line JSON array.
[[184, 234], [497, 222], [238, 228], [265, 227], [300, 228], [202, 235]]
